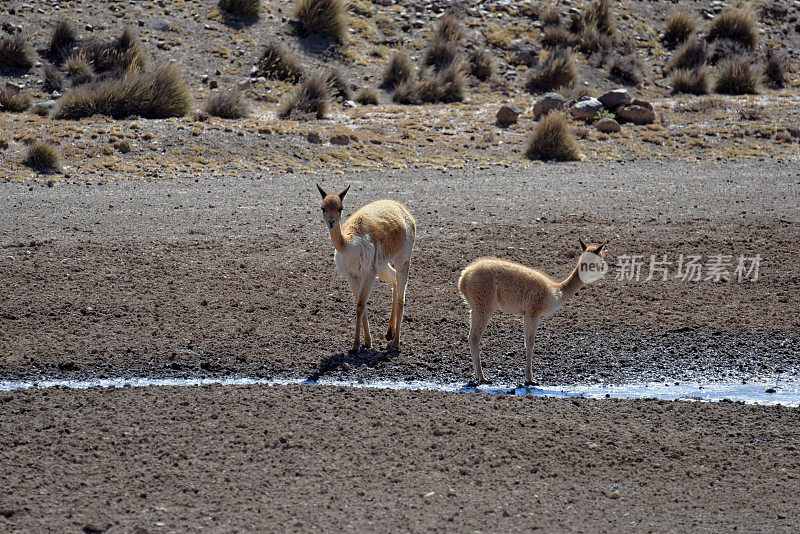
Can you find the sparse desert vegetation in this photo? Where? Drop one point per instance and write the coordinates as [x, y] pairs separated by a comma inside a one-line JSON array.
[[737, 75], [735, 24], [552, 140], [556, 70], [278, 63], [311, 97], [681, 25], [15, 54], [230, 104], [162, 93], [248, 9], [42, 156], [323, 17], [14, 99]]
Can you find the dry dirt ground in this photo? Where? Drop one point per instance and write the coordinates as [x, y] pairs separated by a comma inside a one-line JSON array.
[[297, 459], [201, 252]]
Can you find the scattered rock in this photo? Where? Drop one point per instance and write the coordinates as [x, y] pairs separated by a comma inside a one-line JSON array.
[[314, 137], [586, 109], [213, 84], [548, 103], [349, 104], [637, 112], [43, 108], [163, 25], [340, 139], [608, 125], [508, 114], [769, 390], [123, 146], [614, 98]]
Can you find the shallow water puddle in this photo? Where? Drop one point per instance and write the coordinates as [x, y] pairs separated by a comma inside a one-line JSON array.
[[784, 392]]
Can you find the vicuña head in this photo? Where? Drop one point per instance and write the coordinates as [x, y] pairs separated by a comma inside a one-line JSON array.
[[491, 284], [332, 206], [375, 241]]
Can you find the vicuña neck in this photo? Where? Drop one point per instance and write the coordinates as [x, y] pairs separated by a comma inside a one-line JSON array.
[[337, 238], [571, 284]]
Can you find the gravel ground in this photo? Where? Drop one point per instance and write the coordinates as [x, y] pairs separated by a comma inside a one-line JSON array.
[[295, 459]]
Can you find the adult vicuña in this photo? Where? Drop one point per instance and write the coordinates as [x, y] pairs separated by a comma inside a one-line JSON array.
[[376, 240], [491, 284]]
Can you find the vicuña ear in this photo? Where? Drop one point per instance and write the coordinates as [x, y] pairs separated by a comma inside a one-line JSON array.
[[322, 192], [583, 245], [600, 248], [343, 193]]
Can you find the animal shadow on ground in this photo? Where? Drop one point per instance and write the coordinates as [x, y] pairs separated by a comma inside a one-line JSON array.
[[366, 357]]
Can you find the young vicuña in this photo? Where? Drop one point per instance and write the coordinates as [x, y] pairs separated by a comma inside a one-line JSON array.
[[491, 284], [376, 240]]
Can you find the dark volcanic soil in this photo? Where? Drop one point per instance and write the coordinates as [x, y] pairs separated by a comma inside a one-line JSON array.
[[229, 459], [210, 276]]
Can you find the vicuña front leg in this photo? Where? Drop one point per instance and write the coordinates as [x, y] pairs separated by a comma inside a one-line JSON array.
[[530, 332], [367, 284], [478, 321]]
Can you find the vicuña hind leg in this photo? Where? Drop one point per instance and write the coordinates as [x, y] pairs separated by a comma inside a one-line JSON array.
[[479, 318], [530, 324], [389, 275], [402, 281]]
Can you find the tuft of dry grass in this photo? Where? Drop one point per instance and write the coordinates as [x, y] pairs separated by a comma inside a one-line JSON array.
[[368, 97], [117, 56], [324, 17], [591, 41], [312, 96], [227, 105], [338, 83], [549, 16], [62, 41], [558, 36], [737, 76], [776, 66], [441, 54], [624, 70], [690, 55], [552, 140], [446, 86], [449, 28], [599, 15], [481, 64], [156, 95], [736, 24], [725, 48], [42, 156], [277, 63], [690, 81], [15, 54], [14, 99], [247, 9], [78, 69], [556, 70], [680, 26], [399, 70], [52, 79], [407, 92]]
